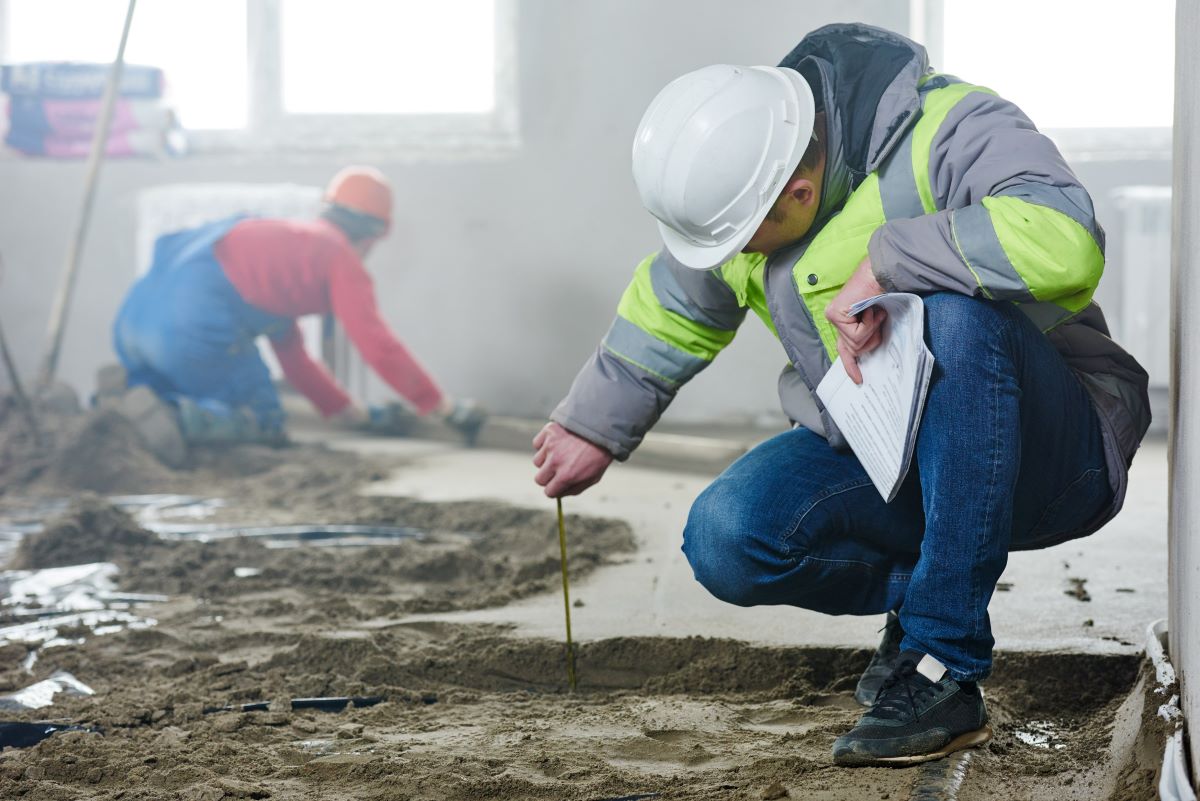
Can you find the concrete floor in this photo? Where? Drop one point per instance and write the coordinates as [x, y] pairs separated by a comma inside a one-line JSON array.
[[653, 593]]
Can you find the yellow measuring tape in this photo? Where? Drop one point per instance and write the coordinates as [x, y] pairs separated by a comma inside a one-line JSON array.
[[562, 547]]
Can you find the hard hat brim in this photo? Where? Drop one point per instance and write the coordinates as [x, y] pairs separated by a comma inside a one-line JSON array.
[[710, 257]]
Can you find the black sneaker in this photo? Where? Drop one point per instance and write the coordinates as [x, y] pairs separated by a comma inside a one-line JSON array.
[[915, 719], [883, 661]]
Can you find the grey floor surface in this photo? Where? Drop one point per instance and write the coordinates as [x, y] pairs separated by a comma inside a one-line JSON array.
[[652, 592]]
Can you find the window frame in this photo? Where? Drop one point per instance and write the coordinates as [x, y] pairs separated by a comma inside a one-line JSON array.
[[271, 131], [927, 25]]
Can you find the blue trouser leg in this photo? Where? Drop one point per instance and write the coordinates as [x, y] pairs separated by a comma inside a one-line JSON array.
[[796, 522], [191, 355], [1010, 452], [1009, 455], [185, 332]]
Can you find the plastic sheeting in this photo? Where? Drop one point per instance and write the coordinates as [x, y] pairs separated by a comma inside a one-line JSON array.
[[43, 602], [41, 694]]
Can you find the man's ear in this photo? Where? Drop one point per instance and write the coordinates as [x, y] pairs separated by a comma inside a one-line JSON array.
[[803, 189]]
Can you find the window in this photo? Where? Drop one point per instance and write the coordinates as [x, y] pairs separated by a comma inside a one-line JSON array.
[[163, 34], [388, 58], [1098, 77], [302, 75]]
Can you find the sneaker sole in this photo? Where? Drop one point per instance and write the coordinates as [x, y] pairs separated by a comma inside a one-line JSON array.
[[972, 739]]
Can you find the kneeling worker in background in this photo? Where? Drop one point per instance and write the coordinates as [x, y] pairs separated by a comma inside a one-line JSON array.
[[187, 329]]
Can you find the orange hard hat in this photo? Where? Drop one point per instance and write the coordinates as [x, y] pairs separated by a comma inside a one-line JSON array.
[[362, 189]]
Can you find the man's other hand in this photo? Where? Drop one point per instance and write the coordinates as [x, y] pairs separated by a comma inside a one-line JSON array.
[[861, 334], [567, 464]]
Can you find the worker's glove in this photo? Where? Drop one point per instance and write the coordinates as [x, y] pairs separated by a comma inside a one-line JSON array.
[[390, 418], [467, 417]]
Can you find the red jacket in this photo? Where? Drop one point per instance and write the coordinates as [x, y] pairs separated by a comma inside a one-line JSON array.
[[296, 267]]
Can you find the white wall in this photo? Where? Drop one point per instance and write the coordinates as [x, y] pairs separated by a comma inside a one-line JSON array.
[[1185, 386], [501, 275]]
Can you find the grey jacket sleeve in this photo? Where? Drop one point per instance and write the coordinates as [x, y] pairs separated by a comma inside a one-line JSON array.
[[632, 377], [613, 403], [985, 147]]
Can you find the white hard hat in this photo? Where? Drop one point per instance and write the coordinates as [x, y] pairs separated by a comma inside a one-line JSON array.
[[713, 152]]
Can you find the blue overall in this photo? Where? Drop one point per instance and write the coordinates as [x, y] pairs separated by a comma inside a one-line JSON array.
[[184, 331]]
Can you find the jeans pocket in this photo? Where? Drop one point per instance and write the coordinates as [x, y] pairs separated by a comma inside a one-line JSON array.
[[1068, 515]]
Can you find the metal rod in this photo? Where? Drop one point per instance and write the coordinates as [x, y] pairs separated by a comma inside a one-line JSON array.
[[19, 392], [14, 378], [66, 287], [562, 547]]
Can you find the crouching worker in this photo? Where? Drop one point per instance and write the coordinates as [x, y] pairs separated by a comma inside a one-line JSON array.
[[794, 192], [187, 329]]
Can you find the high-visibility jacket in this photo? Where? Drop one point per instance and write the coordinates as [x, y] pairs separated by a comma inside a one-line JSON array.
[[946, 186]]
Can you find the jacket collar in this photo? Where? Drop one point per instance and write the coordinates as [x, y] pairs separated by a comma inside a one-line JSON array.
[[866, 80]]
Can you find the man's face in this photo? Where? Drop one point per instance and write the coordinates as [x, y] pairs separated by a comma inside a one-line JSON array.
[[792, 215]]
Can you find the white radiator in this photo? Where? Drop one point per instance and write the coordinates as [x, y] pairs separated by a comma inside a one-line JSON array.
[[174, 207], [1144, 267]]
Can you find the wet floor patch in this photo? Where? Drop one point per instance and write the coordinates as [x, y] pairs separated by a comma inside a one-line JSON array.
[[187, 518], [387, 554]]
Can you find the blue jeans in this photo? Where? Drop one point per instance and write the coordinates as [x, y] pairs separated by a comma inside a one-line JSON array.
[[1009, 456], [184, 331]]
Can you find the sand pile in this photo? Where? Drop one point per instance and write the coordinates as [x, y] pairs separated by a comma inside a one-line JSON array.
[[92, 531], [100, 451], [473, 554]]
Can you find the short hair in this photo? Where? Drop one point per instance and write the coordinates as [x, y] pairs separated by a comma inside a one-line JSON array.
[[814, 154], [357, 227]]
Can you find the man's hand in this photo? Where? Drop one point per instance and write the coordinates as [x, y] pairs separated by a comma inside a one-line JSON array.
[[568, 464], [861, 334]]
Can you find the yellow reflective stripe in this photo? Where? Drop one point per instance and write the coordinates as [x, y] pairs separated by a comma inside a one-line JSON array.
[[640, 306], [1055, 256], [641, 349], [835, 254], [744, 275], [980, 249], [937, 105]]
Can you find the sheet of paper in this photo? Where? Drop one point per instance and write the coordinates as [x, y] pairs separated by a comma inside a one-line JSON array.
[[879, 418]]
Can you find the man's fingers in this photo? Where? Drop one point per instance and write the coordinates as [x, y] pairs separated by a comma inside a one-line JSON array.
[[539, 458], [853, 371], [559, 488], [540, 438], [869, 323], [858, 337], [850, 362], [546, 474], [579, 486], [565, 490], [860, 327]]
